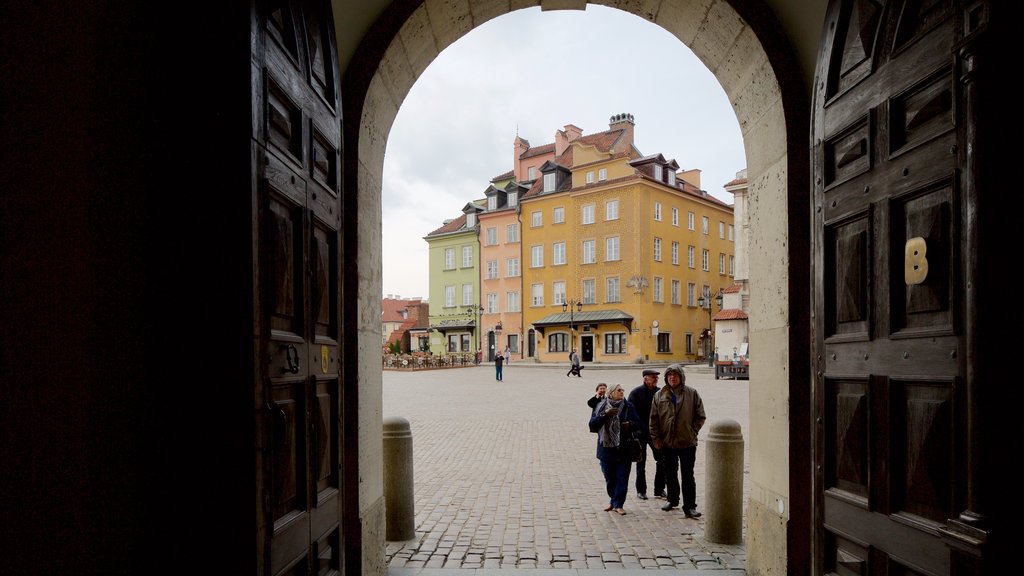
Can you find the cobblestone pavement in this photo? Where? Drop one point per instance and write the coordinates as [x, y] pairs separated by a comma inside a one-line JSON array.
[[506, 475]]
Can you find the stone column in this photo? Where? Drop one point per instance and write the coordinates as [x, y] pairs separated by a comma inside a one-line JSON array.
[[398, 480], [723, 487]]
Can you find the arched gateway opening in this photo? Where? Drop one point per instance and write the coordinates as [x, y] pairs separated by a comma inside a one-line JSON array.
[[742, 48]]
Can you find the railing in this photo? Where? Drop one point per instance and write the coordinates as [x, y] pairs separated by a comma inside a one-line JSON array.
[[420, 361]]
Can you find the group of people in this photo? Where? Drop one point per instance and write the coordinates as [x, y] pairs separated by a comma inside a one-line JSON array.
[[668, 419]]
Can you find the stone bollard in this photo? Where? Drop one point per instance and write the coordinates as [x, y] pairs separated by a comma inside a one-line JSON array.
[[398, 484], [723, 487]]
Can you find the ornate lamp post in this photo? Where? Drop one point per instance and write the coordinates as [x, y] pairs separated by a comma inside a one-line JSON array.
[[705, 299], [475, 310], [569, 305]]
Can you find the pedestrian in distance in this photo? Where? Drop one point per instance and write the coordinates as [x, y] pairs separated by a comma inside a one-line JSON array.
[[641, 398], [613, 420], [507, 354], [677, 415], [574, 364], [498, 361]]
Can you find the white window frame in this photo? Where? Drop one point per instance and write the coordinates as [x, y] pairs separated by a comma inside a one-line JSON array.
[[732, 265], [537, 256], [657, 289], [721, 264], [675, 253], [492, 303], [690, 219], [558, 292], [705, 260], [470, 220], [467, 256], [589, 252], [721, 230], [537, 294], [589, 287], [731, 232], [611, 248], [536, 219], [658, 171], [558, 215], [691, 294], [691, 255], [449, 296], [512, 301], [657, 211], [512, 267], [704, 225], [549, 182], [675, 217], [492, 269], [467, 294], [611, 210], [449, 258], [657, 249], [590, 177], [531, 173], [602, 174], [675, 291], [512, 233], [513, 199], [558, 254], [492, 202], [612, 289], [587, 214], [492, 236]]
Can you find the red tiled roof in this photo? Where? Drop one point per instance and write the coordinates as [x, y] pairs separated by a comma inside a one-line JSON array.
[[730, 314], [452, 226], [538, 150], [504, 175], [733, 288], [735, 182], [391, 308]]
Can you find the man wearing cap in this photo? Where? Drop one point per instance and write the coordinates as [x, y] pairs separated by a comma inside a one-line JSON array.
[[641, 398], [677, 415]]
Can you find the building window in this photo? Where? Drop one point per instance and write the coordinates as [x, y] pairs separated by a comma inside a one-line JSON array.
[[611, 210], [675, 216], [602, 174], [657, 249], [492, 202], [537, 295], [558, 342], [449, 296], [732, 265], [664, 342], [449, 258], [549, 182], [558, 292], [721, 264], [492, 303], [536, 256], [536, 219], [671, 178], [513, 199], [590, 177], [704, 260], [689, 256], [704, 225], [453, 342], [492, 236], [658, 172], [467, 256], [611, 248], [492, 269], [615, 343], [589, 291], [531, 173], [513, 343], [689, 220], [675, 292], [465, 342], [512, 301], [691, 294], [558, 215], [612, 289], [689, 343], [731, 238], [657, 289], [721, 230], [470, 220], [675, 253], [511, 267], [587, 216], [512, 233], [657, 211], [589, 252], [467, 294], [558, 253]]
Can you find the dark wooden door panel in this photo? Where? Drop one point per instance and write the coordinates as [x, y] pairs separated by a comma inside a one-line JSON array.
[[891, 446]]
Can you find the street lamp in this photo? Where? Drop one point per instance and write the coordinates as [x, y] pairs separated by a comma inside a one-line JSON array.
[[472, 310], [568, 305], [706, 299]]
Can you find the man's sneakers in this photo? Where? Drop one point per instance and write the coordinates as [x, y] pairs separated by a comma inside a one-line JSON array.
[[668, 506], [692, 513], [641, 496]]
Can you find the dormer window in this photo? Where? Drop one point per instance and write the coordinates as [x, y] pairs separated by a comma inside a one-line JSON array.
[[671, 178], [532, 173], [492, 203], [549, 182], [513, 198], [657, 172], [470, 220], [602, 174]]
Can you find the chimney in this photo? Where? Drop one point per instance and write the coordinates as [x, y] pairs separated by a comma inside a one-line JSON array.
[[519, 147], [565, 137], [625, 123]]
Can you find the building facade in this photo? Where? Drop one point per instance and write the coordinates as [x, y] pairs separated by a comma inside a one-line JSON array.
[[454, 284]]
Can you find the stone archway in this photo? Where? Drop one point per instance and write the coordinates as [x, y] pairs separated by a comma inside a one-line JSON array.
[[741, 45]]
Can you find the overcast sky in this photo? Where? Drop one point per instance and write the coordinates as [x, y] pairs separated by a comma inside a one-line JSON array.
[[533, 72]]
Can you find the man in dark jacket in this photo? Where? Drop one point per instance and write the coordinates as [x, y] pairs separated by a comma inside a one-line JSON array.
[[677, 415], [641, 398]]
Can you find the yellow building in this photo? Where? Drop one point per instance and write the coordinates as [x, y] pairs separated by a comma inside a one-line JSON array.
[[617, 250]]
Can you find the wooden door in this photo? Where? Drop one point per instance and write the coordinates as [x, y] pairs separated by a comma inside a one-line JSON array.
[[296, 158], [893, 257]]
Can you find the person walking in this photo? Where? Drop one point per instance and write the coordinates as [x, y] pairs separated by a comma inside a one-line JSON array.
[[677, 415], [498, 361], [641, 398], [508, 355], [613, 419], [574, 364], [599, 394]]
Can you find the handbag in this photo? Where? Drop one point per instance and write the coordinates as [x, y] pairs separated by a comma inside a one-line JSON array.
[[632, 448]]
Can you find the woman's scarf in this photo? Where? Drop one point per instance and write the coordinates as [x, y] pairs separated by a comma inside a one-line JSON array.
[[609, 432]]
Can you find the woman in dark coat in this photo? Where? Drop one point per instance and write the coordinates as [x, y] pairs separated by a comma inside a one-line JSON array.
[[613, 420]]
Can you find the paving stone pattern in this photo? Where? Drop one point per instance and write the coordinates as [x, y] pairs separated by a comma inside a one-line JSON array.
[[506, 475]]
